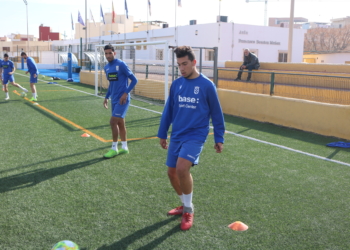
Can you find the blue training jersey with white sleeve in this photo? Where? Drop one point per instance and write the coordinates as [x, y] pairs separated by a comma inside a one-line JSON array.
[[190, 105], [118, 75], [32, 68], [7, 67]]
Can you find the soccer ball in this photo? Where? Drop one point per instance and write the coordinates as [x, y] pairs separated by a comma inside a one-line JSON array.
[[23, 94], [65, 245]]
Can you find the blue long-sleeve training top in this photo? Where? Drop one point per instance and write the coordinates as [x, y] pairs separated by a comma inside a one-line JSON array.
[[118, 75], [191, 104], [32, 68]]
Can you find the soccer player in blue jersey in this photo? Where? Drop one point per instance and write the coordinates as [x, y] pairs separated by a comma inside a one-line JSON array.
[[3, 88], [192, 101], [118, 75], [34, 73], [7, 69]]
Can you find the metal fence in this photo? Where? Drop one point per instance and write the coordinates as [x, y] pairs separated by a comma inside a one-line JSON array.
[[319, 88]]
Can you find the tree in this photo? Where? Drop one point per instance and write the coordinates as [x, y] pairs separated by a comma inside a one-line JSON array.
[[327, 39]]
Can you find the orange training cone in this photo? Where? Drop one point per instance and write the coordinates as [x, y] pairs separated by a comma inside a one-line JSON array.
[[238, 226], [85, 135]]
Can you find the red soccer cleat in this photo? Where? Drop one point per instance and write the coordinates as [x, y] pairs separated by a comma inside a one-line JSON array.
[[187, 221], [176, 211]]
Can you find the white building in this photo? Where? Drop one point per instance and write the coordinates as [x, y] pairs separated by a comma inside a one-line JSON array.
[[270, 44]]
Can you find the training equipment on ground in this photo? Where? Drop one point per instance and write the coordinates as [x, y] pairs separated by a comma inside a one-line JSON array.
[[23, 94], [149, 61], [65, 245], [238, 226]]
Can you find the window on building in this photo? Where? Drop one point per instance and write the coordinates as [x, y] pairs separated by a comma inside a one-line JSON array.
[[145, 46], [282, 57], [130, 51], [138, 47], [7, 49], [159, 54], [209, 55]]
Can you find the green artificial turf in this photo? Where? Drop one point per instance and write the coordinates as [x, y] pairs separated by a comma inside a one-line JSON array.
[[55, 185]]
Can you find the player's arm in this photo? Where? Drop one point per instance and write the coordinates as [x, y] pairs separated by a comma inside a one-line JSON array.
[[217, 118], [125, 69], [105, 102], [166, 120], [13, 69], [32, 69], [132, 84]]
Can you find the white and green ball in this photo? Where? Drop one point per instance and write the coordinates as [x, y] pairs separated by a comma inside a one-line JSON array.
[[23, 94], [65, 245]]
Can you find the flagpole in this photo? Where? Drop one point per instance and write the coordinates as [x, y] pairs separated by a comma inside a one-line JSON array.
[[124, 24], [175, 24], [219, 20], [147, 15], [86, 43]]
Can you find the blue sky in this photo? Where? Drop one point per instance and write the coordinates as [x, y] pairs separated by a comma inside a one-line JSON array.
[[57, 13]]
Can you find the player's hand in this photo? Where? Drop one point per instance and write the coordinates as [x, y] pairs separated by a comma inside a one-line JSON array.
[[27, 72], [122, 99], [35, 75], [163, 143], [218, 147], [105, 103]]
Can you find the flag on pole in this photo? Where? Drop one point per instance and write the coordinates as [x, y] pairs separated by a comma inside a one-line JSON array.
[[179, 3], [113, 13], [126, 10], [80, 19], [72, 21], [149, 7], [92, 17], [101, 14]]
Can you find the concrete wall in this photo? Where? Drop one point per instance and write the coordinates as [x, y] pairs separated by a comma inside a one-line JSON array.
[[329, 58], [320, 118], [302, 68]]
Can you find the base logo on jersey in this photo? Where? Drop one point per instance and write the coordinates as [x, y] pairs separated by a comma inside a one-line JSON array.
[[113, 76], [196, 90]]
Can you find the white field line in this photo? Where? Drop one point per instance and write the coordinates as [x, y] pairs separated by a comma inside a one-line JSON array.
[[229, 132]]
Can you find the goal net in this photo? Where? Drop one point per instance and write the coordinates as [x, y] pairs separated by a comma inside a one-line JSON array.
[[149, 61]]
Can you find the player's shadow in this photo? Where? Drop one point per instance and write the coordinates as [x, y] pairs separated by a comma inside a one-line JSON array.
[[34, 177], [55, 119], [128, 240], [145, 122], [53, 159], [336, 151]]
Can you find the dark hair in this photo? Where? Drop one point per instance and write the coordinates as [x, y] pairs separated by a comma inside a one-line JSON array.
[[108, 46], [6, 55], [183, 51], [23, 54]]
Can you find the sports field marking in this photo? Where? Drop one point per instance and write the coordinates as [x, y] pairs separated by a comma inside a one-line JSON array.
[[66, 120], [233, 133]]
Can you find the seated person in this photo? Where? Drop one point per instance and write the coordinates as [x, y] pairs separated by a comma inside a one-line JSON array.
[[251, 62]]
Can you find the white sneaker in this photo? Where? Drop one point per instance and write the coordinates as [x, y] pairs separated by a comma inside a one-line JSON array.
[[7, 98], [26, 90]]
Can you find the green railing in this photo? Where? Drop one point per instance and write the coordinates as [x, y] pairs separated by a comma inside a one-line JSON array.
[[313, 87]]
